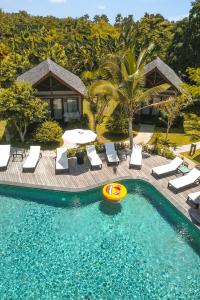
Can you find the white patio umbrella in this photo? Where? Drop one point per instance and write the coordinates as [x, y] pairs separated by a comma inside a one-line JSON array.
[[79, 136]]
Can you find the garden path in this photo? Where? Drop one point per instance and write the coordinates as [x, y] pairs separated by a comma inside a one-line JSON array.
[[145, 134], [185, 148]]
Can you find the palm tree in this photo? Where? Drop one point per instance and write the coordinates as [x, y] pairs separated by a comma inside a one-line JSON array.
[[99, 96], [127, 77]]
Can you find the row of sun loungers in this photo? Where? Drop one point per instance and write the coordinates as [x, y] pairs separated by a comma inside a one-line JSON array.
[[62, 164], [193, 177], [30, 163]]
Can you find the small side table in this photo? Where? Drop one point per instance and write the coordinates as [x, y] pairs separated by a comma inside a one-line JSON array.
[[183, 170], [122, 154], [18, 153]]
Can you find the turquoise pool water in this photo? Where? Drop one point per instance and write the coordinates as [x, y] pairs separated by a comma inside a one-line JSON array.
[[75, 246]]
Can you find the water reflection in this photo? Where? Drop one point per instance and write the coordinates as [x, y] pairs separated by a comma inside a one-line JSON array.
[[110, 209]]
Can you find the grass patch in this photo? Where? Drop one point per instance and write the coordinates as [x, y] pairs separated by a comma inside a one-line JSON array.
[[195, 158], [86, 110], [2, 129], [177, 136]]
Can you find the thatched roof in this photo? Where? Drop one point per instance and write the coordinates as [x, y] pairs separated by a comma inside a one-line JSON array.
[[46, 67], [165, 70]]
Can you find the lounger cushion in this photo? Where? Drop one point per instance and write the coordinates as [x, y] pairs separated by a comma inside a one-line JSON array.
[[186, 180], [4, 155], [111, 152], [32, 158], [93, 156], [194, 197], [136, 155], [167, 168], [62, 159]]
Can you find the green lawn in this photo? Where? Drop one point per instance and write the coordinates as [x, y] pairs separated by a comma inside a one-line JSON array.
[[176, 136], [195, 158], [2, 129]]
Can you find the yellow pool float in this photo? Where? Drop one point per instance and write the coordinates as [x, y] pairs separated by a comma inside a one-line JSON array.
[[114, 192]]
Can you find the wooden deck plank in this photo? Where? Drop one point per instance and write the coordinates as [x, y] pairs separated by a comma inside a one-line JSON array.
[[81, 177]]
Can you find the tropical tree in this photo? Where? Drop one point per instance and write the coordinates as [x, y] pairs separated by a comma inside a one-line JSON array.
[[192, 124], [20, 106], [154, 29], [99, 96], [184, 50], [194, 88], [172, 109], [192, 119], [126, 77]]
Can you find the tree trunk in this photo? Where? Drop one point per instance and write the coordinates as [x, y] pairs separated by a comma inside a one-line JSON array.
[[21, 132], [94, 123], [22, 137], [167, 132], [130, 130]]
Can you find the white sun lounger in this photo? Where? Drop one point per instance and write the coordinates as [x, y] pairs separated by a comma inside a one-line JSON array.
[[136, 156], [191, 178], [4, 156], [32, 159], [62, 164], [93, 157], [168, 168], [111, 153], [194, 198]]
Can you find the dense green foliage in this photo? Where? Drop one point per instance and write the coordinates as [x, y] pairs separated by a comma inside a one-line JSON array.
[[48, 132], [194, 87], [184, 51], [20, 106], [172, 109], [80, 44], [117, 124], [192, 119]]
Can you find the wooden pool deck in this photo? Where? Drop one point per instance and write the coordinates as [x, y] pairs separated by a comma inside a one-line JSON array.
[[80, 178]]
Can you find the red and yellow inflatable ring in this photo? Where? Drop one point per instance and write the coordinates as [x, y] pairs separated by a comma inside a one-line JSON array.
[[114, 192]]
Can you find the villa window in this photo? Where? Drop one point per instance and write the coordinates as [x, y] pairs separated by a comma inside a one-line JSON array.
[[71, 105]]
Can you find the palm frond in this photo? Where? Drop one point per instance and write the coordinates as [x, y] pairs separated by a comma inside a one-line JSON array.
[[143, 55], [124, 72], [112, 70], [167, 101], [148, 94], [130, 61], [102, 88]]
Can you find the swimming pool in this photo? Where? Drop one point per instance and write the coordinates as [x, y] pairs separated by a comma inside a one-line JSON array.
[[56, 245]]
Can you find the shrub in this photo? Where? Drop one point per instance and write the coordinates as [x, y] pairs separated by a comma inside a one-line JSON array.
[[162, 147], [164, 151], [118, 122], [83, 123], [48, 132]]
